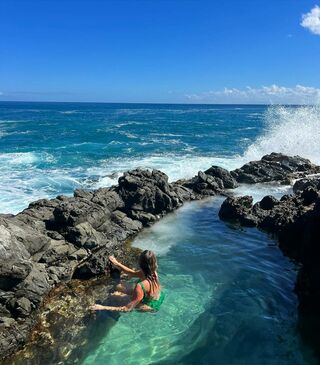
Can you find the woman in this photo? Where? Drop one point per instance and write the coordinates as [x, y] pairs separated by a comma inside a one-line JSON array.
[[146, 295]]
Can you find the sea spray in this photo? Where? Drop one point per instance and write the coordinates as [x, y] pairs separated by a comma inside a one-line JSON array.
[[293, 130], [93, 150]]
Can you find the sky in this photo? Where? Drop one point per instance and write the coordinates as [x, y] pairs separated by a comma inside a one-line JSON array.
[[177, 51]]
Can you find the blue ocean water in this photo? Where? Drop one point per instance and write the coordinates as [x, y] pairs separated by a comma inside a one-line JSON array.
[[230, 293], [52, 148]]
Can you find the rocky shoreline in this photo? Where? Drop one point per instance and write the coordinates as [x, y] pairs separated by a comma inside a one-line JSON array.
[[67, 239]]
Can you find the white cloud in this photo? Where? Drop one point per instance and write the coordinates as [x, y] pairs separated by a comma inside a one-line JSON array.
[[311, 20], [272, 94]]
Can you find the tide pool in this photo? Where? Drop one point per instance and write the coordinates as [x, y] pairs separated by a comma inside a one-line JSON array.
[[229, 298], [229, 292]]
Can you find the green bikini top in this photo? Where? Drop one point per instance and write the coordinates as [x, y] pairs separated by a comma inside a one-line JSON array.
[[153, 303]]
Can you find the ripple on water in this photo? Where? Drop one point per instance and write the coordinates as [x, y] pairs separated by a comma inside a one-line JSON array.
[[229, 299]]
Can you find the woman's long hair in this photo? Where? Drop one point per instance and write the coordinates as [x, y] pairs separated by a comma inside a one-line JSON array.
[[149, 266]]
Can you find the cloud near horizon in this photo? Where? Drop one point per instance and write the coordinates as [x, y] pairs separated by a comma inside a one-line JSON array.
[[311, 20], [272, 94]]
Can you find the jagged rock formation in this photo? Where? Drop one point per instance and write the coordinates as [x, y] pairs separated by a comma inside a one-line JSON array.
[[54, 241], [275, 167], [71, 237]]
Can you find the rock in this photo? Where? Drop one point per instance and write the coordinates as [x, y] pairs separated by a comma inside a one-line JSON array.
[[13, 272], [202, 185], [227, 180], [4, 312], [6, 322], [145, 218], [268, 202], [35, 285], [76, 211], [309, 182], [108, 198], [58, 251], [309, 195], [147, 191], [182, 192], [275, 167], [79, 255], [84, 235], [55, 240], [23, 307], [239, 210], [125, 222]]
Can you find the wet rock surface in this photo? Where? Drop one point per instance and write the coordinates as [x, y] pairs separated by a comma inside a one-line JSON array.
[[275, 167], [54, 241], [52, 244]]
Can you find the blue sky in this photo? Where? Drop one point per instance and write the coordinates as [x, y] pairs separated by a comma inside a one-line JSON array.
[[160, 51]]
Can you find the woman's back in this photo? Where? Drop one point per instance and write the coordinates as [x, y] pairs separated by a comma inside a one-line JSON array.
[[150, 289]]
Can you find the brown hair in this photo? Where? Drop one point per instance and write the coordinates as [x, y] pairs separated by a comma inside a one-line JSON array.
[[148, 264]]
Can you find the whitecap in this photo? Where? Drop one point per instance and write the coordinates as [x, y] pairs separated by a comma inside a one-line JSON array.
[[18, 158], [291, 130], [69, 112]]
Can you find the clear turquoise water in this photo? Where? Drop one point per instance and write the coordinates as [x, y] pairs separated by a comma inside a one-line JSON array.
[[229, 299], [229, 292]]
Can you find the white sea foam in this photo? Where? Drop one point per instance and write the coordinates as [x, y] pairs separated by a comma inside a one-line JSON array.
[[290, 130], [69, 112], [175, 166], [258, 191], [17, 158]]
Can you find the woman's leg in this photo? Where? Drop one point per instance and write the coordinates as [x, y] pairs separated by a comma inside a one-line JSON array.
[[144, 308], [120, 300], [124, 288]]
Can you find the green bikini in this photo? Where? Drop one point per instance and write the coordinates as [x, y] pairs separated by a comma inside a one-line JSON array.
[[153, 303]]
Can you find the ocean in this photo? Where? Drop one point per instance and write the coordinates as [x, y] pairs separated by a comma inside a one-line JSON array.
[[230, 296]]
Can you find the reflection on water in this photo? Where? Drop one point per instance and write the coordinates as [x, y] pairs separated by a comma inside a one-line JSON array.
[[229, 298]]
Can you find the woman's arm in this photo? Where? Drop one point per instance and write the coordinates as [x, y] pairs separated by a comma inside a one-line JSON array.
[[136, 299], [124, 268], [99, 307]]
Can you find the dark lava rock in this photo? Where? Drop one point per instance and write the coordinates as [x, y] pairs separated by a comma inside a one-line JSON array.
[[223, 177], [239, 210], [53, 241], [71, 237], [13, 272], [147, 191], [275, 167], [268, 202], [309, 182]]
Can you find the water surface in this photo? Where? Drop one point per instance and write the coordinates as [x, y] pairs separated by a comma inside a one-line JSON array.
[[229, 298]]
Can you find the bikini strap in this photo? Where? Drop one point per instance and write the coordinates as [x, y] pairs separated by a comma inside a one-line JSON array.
[[142, 287]]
